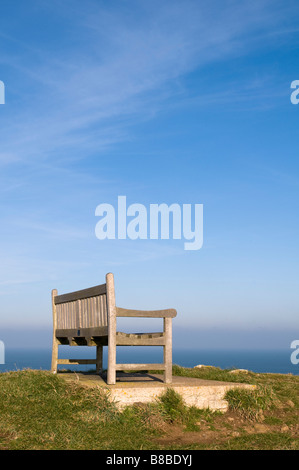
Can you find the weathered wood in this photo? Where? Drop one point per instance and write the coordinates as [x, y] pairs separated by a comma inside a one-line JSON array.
[[140, 335], [54, 340], [144, 339], [140, 366], [88, 318], [167, 313], [84, 313], [100, 340], [81, 294], [168, 350], [111, 309], [81, 332], [76, 361], [72, 342], [99, 360]]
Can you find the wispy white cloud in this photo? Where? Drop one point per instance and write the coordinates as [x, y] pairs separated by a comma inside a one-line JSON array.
[[128, 64]]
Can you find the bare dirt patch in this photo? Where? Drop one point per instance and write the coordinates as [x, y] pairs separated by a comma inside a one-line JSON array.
[[225, 427]]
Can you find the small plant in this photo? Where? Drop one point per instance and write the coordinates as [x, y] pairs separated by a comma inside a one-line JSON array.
[[151, 415], [172, 405], [172, 408], [250, 403]]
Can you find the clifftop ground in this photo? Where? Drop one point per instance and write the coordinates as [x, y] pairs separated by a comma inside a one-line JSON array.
[[39, 410]]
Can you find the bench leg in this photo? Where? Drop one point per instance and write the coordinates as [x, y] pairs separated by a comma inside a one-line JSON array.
[[54, 341], [111, 376], [54, 356], [99, 365], [111, 373], [168, 350]]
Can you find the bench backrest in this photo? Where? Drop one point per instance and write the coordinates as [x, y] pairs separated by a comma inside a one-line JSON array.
[[87, 308], [82, 309]]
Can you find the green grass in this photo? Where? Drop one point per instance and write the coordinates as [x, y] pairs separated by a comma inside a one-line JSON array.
[[39, 410], [250, 403], [173, 410]]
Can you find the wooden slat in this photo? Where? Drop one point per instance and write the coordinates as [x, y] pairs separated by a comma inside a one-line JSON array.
[[139, 339], [140, 335], [167, 313], [76, 361], [81, 294], [81, 332], [94, 341], [135, 341], [139, 366]]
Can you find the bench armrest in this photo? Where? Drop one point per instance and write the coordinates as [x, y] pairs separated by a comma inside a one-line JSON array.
[[167, 313]]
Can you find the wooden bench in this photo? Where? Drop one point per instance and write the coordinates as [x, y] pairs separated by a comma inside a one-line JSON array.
[[88, 318]]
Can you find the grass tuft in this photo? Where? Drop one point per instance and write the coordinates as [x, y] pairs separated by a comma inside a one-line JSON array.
[[250, 403], [172, 405]]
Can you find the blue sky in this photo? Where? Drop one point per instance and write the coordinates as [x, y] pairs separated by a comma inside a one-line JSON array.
[[175, 102]]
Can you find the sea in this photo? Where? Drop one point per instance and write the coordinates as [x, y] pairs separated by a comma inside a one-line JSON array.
[[270, 361]]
